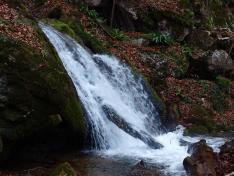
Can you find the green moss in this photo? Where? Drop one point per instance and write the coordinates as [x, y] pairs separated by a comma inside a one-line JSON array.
[[75, 30], [72, 110], [223, 83], [182, 65], [200, 112], [197, 130], [218, 99], [152, 16], [63, 27], [35, 92], [155, 96], [202, 117], [64, 169]]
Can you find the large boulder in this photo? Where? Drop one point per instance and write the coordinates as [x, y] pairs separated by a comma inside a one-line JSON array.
[[37, 98], [203, 161], [201, 39], [125, 126], [170, 119], [220, 61], [226, 156]]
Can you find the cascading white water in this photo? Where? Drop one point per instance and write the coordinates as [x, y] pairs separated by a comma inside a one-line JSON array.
[[103, 81]]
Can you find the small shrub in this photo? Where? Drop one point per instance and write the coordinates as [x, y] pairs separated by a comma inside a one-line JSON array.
[[160, 38], [218, 100], [118, 34], [200, 111], [187, 51], [91, 13], [205, 86]]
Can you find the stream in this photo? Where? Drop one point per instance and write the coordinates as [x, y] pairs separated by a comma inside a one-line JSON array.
[[122, 114]]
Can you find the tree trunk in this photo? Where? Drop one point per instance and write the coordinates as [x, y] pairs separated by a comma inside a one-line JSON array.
[[112, 12]]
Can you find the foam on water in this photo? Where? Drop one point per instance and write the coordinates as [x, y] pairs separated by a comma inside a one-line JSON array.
[[104, 80]]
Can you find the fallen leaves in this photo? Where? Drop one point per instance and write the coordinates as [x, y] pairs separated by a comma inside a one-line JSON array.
[[13, 29]]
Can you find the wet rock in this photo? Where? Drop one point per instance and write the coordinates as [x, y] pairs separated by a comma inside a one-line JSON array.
[[203, 161], [170, 120], [28, 96], [140, 42], [142, 169], [219, 61], [226, 156], [201, 39], [156, 62], [121, 123], [183, 35], [64, 169]]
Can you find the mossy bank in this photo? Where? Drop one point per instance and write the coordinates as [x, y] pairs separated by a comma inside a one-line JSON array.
[[37, 98]]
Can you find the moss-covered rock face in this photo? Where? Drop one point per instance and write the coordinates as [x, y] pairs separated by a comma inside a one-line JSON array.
[[75, 30], [34, 88]]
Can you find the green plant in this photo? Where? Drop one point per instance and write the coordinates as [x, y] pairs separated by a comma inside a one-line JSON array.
[[178, 91], [187, 51], [182, 65], [200, 129], [91, 13], [218, 100], [223, 83], [210, 22], [118, 34], [200, 111], [205, 86], [160, 38]]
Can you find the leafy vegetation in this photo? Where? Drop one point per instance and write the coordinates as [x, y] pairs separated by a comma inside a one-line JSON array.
[[187, 51], [160, 38], [223, 83], [118, 34], [218, 100], [93, 14]]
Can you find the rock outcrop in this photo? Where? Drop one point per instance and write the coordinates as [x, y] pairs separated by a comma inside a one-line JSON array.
[[226, 156], [37, 98], [220, 62], [203, 161]]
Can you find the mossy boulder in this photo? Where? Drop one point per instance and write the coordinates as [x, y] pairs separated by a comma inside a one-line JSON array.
[[64, 169], [200, 129], [202, 121], [74, 29], [36, 86]]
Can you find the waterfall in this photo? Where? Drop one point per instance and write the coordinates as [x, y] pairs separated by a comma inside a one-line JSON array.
[[121, 111]]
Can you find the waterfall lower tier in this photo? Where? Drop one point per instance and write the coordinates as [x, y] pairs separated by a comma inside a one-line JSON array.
[[122, 114]]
